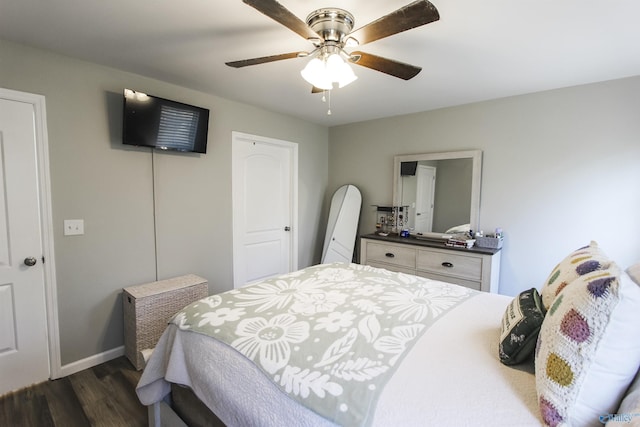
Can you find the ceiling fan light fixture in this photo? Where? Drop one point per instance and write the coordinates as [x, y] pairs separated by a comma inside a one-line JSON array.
[[315, 73], [346, 75], [333, 66], [324, 71]]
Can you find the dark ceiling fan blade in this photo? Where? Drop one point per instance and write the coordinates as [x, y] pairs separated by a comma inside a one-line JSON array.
[[316, 89], [413, 15], [281, 14], [387, 66], [261, 60]]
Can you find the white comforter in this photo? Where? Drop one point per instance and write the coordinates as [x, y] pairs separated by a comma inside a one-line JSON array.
[[452, 377]]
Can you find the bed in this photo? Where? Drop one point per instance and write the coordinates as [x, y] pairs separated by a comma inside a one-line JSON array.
[[391, 349]]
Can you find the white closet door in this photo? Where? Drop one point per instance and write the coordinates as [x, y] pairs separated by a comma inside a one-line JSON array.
[[263, 208]]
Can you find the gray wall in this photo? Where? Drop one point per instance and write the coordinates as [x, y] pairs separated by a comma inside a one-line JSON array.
[[96, 179], [559, 168], [453, 193]]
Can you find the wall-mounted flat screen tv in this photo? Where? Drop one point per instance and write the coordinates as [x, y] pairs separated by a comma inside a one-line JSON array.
[[150, 121]]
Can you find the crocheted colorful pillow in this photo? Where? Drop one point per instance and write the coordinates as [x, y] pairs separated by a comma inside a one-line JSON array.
[[588, 349], [577, 263], [520, 327]]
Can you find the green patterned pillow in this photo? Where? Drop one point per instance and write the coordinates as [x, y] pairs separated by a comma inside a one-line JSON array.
[[588, 349], [520, 327], [579, 262]]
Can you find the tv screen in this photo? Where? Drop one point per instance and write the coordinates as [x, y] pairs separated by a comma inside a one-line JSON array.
[[150, 121], [408, 168]]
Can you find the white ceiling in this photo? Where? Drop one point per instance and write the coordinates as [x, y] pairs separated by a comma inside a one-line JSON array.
[[478, 50]]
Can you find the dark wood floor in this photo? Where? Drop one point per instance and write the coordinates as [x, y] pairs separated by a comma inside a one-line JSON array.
[[101, 396]]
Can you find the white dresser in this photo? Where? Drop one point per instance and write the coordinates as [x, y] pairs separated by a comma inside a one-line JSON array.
[[476, 268]]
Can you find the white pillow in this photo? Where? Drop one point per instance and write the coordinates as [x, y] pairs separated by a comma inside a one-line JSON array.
[[589, 348], [628, 413], [464, 228]]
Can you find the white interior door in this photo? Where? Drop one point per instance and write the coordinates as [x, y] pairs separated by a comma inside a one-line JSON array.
[[264, 206], [425, 192], [24, 357]]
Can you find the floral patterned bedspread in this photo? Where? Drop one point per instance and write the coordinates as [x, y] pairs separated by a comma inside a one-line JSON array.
[[329, 336]]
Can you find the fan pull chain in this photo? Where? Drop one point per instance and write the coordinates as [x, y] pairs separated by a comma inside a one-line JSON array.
[[324, 99], [327, 94]]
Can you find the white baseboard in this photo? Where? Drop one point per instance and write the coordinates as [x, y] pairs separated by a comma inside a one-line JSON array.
[[91, 361]]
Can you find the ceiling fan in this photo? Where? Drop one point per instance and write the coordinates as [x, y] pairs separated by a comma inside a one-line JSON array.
[[330, 32]]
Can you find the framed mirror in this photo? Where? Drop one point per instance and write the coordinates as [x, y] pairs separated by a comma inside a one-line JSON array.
[[440, 192]]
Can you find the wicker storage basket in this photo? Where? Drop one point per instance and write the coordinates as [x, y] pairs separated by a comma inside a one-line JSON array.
[[489, 242], [148, 308]]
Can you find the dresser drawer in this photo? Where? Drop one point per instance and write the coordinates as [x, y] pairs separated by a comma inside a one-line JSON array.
[[450, 279], [391, 267], [396, 255], [450, 264]]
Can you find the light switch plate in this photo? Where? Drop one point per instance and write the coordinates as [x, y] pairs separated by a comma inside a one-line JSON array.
[[73, 227]]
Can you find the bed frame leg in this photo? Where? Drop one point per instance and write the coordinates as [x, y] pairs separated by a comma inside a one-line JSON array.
[[154, 414], [161, 415]]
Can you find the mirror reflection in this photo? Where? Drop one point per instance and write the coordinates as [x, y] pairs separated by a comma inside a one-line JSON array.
[[440, 192]]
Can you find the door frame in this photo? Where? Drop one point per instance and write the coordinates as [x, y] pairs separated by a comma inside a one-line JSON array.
[[46, 222], [292, 148]]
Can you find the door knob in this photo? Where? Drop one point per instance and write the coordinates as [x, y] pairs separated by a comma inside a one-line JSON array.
[[287, 228], [30, 261]]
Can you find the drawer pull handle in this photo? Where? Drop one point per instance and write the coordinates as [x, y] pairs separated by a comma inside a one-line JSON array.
[[447, 264], [389, 255]]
